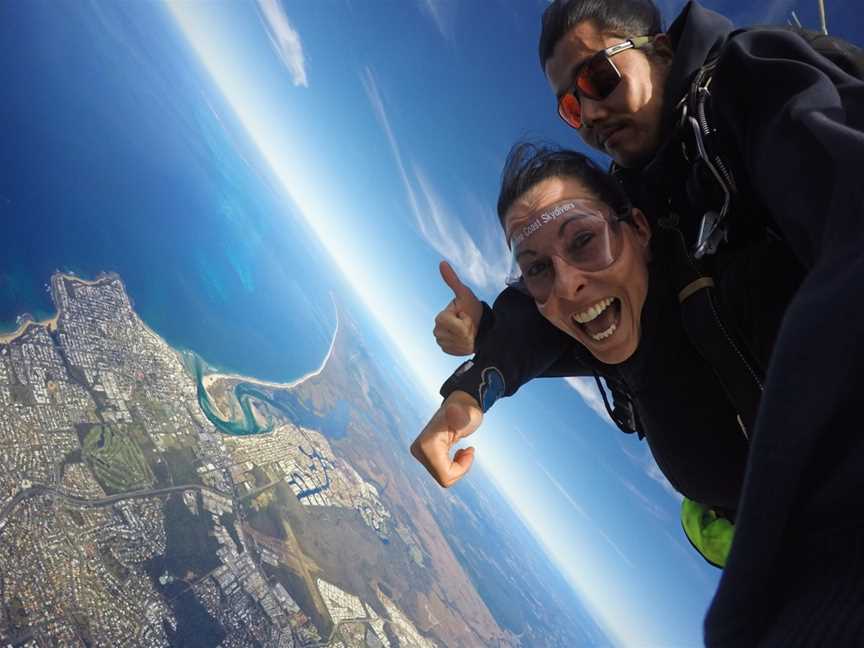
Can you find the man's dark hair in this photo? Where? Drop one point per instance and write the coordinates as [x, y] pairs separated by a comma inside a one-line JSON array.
[[625, 18], [529, 164]]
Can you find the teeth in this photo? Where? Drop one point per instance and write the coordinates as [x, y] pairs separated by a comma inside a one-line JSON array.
[[605, 334], [593, 312]]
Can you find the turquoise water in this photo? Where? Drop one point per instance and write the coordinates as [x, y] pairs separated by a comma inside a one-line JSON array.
[[120, 155], [332, 423], [243, 393]]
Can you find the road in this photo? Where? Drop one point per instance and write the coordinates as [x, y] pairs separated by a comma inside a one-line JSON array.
[[40, 489]]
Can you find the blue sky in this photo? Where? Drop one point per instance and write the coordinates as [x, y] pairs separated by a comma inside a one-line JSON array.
[[387, 124]]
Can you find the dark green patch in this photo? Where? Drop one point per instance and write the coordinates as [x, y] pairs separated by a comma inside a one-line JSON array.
[[17, 616], [115, 458], [22, 394], [81, 625], [181, 464], [195, 627], [190, 545], [76, 517], [228, 520], [114, 566]]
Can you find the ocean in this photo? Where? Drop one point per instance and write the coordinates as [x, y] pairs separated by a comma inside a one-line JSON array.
[[120, 155]]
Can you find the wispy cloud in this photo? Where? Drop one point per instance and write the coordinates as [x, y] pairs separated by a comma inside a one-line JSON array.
[[654, 472], [437, 11], [689, 557], [647, 503], [484, 267], [285, 40], [645, 461], [587, 389], [576, 506], [564, 493], [487, 267], [525, 438]]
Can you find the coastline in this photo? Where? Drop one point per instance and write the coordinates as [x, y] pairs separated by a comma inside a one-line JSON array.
[[50, 324], [210, 379], [7, 337]]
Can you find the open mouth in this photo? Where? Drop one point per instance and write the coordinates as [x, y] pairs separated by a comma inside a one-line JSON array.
[[601, 320]]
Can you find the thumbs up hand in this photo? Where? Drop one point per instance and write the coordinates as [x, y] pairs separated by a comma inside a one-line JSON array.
[[456, 326], [458, 417]]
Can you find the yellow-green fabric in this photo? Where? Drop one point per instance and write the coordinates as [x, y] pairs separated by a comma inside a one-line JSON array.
[[709, 534]]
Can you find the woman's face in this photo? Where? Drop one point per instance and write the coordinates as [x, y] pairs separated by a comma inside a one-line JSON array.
[[601, 309]]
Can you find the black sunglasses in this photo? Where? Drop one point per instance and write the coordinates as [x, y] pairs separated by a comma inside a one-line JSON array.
[[595, 78]]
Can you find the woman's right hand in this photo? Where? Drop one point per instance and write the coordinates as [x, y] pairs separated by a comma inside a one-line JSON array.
[[458, 416], [456, 326]]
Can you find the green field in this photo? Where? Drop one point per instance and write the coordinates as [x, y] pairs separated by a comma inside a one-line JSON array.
[[116, 459]]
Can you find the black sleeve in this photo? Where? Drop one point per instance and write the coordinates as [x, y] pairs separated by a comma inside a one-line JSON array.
[[514, 345], [799, 124]]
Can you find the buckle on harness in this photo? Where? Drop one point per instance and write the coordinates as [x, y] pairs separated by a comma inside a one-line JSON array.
[[711, 234], [712, 228]]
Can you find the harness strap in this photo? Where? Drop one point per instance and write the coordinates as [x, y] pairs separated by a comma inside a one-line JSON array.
[[693, 286], [703, 321]]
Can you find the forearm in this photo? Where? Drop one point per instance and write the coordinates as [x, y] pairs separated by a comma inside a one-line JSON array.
[[518, 346]]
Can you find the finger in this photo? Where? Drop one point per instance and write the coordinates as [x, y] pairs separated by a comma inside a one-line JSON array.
[[454, 347], [462, 461], [463, 458], [453, 324], [448, 313], [460, 290]]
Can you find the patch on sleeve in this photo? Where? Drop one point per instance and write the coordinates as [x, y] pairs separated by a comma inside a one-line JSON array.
[[491, 387]]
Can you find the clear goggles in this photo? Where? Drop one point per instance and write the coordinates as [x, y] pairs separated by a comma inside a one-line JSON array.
[[584, 234]]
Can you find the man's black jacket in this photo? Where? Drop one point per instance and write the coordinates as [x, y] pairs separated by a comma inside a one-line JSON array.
[[795, 126]]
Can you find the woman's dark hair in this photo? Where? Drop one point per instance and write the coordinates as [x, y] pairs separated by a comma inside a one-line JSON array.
[[529, 164], [624, 18]]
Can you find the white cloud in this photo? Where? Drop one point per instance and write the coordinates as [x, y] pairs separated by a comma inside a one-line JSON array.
[[435, 10], [374, 96], [285, 40], [654, 472], [645, 460], [581, 511], [525, 438], [484, 267], [564, 493], [647, 503], [587, 389]]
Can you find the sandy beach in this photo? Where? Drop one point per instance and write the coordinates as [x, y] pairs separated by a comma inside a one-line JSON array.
[[50, 324], [87, 282], [210, 379]]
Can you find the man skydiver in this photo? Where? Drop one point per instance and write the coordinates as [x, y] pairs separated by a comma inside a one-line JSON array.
[[792, 128]]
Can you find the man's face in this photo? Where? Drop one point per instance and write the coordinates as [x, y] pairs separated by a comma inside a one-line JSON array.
[[602, 310], [626, 124]]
